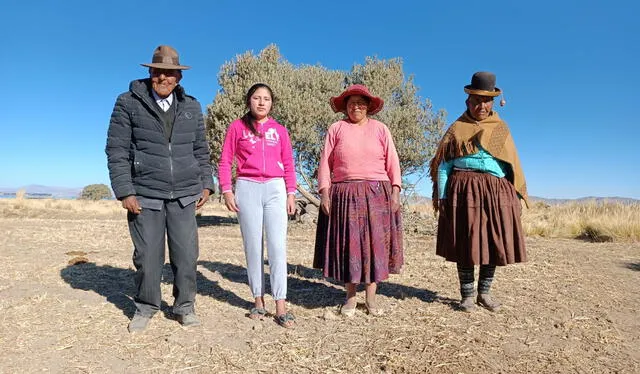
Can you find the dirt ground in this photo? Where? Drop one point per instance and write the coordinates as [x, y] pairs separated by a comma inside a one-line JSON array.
[[574, 307]]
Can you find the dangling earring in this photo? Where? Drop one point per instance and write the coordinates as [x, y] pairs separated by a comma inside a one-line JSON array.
[[503, 102]]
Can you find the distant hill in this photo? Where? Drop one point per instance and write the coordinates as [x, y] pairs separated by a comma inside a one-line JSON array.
[[40, 190], [615, 199]]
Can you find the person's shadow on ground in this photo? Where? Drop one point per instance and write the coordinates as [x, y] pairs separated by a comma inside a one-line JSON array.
[[307, 293], [310, 292], [633, 266], [385, 288], [118, 287], [213, 220], [306, 289], [115, 284]]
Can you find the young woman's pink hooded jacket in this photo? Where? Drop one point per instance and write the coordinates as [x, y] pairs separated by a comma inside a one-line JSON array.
[[259, 158]]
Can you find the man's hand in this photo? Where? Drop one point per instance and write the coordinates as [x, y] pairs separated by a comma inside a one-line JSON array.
[[230, 201], [204, 198], [131, 204], [325, 201]]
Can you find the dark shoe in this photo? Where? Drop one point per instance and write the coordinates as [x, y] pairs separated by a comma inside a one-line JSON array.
[[138, 323], [467, 304], [257, 313], [187, 320], [286, 320], [487, 302]]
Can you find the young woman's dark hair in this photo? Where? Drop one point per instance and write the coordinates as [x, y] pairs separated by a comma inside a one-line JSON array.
[[248, 119]]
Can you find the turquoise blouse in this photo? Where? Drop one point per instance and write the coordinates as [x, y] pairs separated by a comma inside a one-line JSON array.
[[482, 161]]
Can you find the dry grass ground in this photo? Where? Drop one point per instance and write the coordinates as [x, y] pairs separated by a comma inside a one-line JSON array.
[[574, 307]]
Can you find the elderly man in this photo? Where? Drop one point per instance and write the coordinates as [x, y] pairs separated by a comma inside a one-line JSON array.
[[158, 160]]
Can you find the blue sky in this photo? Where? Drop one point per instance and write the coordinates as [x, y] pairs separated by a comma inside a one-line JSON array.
[[569, 71]]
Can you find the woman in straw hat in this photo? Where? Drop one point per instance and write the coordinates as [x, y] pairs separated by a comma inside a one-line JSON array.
[[477, 187], [359, 233]]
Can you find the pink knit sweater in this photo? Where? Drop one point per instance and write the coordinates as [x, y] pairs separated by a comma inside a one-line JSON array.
[[353, 152]]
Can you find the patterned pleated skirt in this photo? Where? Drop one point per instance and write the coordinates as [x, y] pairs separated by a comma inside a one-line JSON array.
[[361, 241], [479, 221]]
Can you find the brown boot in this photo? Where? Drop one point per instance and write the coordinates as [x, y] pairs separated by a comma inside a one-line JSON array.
[[467, 304], [487, 302]]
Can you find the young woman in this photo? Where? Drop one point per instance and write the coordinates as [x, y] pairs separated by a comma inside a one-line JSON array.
[[264, 195]]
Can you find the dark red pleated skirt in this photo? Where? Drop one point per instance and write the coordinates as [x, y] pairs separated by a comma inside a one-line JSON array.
[[479, 222], [361, 241]]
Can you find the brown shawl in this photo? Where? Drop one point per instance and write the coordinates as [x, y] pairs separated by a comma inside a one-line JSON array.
[[463, 137]]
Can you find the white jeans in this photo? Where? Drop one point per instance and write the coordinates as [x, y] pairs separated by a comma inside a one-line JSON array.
[[263, 209]]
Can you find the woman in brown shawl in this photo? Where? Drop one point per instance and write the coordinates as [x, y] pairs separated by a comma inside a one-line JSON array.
[[477, 187]]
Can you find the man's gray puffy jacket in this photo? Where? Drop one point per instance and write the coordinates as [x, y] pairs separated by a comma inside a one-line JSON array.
[[142, 162]]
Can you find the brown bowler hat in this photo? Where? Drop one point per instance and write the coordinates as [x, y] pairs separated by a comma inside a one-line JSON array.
[[166, 57], [483, 83]]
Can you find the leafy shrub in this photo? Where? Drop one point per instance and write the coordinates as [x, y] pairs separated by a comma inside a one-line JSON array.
[[96, 192]]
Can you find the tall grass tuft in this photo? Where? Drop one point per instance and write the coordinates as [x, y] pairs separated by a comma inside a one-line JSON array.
[[20, 194], [592, 221]]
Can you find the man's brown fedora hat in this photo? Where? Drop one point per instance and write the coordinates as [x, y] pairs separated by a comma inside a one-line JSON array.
[[166, 57]]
